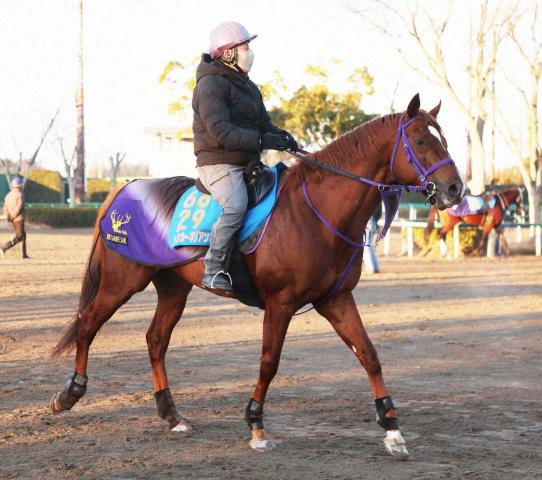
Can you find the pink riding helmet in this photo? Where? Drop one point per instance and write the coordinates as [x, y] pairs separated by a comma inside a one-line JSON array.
[[228, 35]]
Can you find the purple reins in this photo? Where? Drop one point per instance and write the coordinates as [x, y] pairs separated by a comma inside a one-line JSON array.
[[390, 194]]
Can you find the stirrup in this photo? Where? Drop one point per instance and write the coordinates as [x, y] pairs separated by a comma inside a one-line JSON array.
[[217, 274], [225, 284]]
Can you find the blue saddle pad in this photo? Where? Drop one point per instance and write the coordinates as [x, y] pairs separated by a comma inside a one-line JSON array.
[[196, 213]]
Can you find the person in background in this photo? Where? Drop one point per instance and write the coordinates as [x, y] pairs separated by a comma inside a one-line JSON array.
[[370, 261], [14, 212]]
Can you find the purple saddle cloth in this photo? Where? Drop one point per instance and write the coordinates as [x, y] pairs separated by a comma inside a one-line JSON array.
[[136, 224], [470, 205]]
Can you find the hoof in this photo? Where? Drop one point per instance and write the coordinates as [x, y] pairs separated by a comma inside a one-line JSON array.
[[262, 445], [183, 426], [56, 403], [395, 444]]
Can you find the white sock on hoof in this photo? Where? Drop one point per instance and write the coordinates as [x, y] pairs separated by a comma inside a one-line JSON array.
[[395, 444], [261, 445]]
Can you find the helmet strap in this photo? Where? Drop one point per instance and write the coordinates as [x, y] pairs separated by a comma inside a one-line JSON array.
[[233, 61]]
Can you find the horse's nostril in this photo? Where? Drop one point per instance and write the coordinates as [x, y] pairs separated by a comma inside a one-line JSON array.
[[454, 190]]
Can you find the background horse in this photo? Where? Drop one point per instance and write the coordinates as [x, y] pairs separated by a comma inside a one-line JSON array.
[[298, 262], [488, 219]]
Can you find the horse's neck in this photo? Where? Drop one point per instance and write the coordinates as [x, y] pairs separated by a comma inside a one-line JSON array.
[[510, 195], [346, 203], [507, 198]]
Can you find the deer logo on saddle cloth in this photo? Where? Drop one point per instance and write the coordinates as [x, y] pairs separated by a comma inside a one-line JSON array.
[[119, 236], [117, 222]]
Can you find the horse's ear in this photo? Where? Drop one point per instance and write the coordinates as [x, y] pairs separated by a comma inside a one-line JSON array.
[[414, 106], [435, 110]]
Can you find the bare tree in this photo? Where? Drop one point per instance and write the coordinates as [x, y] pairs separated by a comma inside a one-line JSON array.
[[527, 155], [23, 166], [115, 166], [421, 37], [6, 164], [70, 169], [393, 98]]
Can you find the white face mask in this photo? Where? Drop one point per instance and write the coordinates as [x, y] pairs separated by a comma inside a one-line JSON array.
[[245, 58]]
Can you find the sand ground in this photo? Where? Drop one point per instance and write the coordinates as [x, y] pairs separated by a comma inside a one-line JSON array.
[[459, 341]]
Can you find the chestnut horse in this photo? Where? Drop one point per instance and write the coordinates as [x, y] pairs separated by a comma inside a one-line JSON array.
[[488, 219], [297, 263]]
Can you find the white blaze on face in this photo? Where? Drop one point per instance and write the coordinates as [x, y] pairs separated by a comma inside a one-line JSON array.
[[437, 135], [435, 132]]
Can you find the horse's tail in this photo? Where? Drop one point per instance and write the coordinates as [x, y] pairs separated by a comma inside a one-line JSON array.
[[430, 223], [91, 282]]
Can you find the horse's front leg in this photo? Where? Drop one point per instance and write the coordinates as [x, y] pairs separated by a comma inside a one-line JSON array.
[[275, 324], [504, 244], [481, 249], [343, 315]]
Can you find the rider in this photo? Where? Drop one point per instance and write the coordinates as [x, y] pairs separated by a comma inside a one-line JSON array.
[[231, 128], [14, 212]]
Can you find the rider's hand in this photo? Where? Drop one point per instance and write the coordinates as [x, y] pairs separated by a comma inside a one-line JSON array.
[[274, 141], [290, 140], [292, 144]]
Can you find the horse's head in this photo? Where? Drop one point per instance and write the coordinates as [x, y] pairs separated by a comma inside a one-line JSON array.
[[513, 196], [424, 157]]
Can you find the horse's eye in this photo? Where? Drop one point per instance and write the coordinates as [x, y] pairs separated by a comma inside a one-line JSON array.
[[419, 142]]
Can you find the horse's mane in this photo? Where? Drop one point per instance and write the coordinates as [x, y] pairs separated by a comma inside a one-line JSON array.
[[163, 193], [360, 142]]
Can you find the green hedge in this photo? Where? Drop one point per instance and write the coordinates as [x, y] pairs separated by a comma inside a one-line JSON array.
[[97, 189], [468, 239], [43, 186], [63, 217]]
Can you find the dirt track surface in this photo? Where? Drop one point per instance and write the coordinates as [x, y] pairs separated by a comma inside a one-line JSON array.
[[460, 345]]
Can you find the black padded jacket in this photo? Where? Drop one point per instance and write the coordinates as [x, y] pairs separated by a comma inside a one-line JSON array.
[[229, 116]]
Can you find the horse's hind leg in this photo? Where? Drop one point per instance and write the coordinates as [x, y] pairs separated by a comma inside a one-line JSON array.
[[488, 226], [172, 294], [343, 315], [117, 284]]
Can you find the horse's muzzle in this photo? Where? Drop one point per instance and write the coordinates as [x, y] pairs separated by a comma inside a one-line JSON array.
[[449, 195]]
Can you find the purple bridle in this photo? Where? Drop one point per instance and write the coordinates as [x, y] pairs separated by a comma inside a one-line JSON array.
[[418, 166], [390, 194]]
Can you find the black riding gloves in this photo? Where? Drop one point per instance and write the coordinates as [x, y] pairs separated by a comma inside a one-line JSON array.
[[278, 141], [292, 144], [274, 141]]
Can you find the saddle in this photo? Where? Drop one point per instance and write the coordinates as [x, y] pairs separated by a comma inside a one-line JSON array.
[[259, 180]]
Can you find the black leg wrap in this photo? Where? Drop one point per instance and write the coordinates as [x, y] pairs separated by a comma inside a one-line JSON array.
[[254, 415], [166, 407], [74, 389], [383, 406]]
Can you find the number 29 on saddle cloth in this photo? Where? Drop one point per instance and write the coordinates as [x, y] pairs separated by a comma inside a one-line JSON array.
[[196, 213]]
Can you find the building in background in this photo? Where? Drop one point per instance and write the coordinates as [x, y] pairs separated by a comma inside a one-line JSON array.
[[172, 152]]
